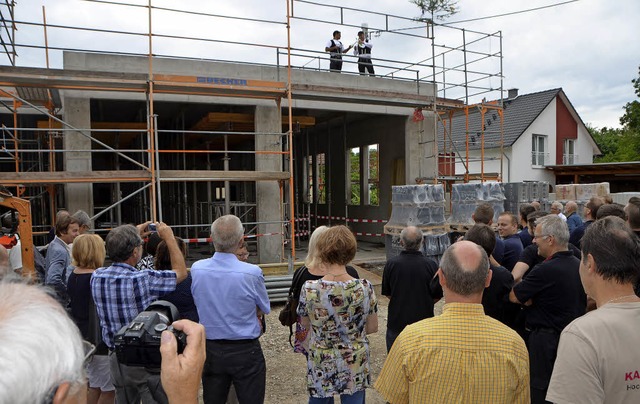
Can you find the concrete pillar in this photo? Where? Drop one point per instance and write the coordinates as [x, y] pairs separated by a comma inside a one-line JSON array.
[[421, 149], [268, 119], [77, 112]]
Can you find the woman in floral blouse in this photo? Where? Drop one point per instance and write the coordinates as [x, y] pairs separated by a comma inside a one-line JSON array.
[[340, 311]]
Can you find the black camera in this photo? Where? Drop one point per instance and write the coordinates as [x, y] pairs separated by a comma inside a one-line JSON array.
[[138, 344]]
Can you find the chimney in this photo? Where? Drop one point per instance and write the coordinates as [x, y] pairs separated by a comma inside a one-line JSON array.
[[513, 93]]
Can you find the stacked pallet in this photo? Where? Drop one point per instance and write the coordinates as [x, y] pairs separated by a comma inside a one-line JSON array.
[[421, 206]]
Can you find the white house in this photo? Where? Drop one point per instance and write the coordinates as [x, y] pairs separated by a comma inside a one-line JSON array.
[[540, 129]]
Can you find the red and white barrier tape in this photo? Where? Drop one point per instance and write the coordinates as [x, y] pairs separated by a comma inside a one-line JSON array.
[[346, 219], [209, 240], [369, 234]]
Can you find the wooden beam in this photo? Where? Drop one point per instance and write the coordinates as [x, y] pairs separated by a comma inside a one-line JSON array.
[[65, 177]]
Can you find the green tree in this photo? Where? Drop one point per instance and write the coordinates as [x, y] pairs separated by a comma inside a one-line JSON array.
[[631, 117], [439, 9], [621, 144]]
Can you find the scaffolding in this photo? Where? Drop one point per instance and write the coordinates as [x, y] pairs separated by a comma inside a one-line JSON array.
[[149, 163]]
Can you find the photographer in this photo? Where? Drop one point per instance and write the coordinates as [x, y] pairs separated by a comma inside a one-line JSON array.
[[40, 344], [363, 51], [121, 292]]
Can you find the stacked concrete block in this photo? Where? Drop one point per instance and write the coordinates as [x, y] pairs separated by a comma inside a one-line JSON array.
[[417, 205], [421, 206], [465, 198], [518, 193]]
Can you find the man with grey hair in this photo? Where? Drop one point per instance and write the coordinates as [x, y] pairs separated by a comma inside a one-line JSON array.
[[83, 220], [229, 295], [120, 292], [42, 355], [554, 296], [475, 357], [41, 350], [556, 209], [573, 219], [405, 281]]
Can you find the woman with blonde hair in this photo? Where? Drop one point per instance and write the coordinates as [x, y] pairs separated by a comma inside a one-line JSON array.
[[310, 271], [339, 312], [88, 254]]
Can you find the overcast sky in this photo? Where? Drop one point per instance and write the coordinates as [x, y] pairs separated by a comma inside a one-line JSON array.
[[590, 48]]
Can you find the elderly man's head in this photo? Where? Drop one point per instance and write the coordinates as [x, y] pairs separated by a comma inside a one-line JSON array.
[[124, 244], [41, 350], [556, 207], [465, 266], [411, 238], [571, 207], [551, 235], [84, 221], [227, 233]]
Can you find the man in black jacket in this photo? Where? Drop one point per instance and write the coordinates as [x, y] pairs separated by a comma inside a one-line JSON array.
[[405, 281]]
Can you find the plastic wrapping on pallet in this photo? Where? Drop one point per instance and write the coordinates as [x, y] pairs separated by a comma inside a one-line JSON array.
[[433, 246], [412, 215], [566, 192], [417, 205], [417, 194], [584, 192], [461, 212], [602, 189], [465, 198]]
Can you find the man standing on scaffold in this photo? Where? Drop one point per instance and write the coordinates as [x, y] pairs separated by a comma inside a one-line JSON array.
[[363, 51], [336, 49]]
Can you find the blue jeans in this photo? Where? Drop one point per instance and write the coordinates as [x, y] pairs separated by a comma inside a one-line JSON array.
[[355, 398]]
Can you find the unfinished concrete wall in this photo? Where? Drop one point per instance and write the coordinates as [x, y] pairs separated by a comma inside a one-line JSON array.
[[77, 114], [335, 141], [268, 119], [420, 149]]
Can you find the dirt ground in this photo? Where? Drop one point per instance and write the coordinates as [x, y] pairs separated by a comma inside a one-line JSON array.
[[286, 371]]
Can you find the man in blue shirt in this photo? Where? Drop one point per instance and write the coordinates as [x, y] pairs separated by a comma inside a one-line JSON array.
[[508, 230], [230, 295], [573, 220], [121, 292]]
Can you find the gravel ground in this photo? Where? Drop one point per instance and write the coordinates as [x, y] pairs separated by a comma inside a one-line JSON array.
[[286, 371]]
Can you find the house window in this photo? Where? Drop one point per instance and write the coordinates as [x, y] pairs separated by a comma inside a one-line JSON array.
[[539, 154], [322, 178], [353, 193], [373, 178], [569, 155]]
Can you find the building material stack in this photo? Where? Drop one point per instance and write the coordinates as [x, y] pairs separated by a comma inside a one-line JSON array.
[[465, 198], [518, 193], [421, 206], [581, 193]]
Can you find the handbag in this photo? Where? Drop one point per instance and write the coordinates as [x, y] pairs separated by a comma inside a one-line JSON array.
[[289, 315]]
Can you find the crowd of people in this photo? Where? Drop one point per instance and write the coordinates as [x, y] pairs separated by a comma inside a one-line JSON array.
[[527, 317]]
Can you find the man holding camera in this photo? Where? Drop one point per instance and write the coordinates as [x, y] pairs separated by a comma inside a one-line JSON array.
[[363, 51], [229, 294], [121, 292]]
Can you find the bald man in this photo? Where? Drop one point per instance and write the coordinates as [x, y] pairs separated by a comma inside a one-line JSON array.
[[405, 281], [573, 219], [475, 357]]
